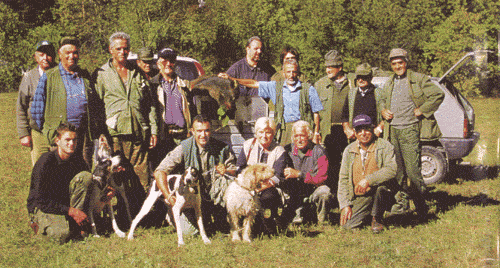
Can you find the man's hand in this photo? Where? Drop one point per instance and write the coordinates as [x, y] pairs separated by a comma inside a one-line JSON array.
[[316, 138], [387, 114], [362, 187], [291, 173], [110, 194], [79, 216], [345, 215], [223, 75], [26, 141], [417, 112], [152, 141], [221, 168], [349, 133], [265, 185]]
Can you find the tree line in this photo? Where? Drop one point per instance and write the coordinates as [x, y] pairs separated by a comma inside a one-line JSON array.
[[435, 32]]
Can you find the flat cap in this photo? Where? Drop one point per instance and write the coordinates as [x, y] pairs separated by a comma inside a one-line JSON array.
[[333, 58], [398, 53], [145, 54], [364, 69]]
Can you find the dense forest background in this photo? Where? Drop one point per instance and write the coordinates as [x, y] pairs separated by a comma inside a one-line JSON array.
[[436, 32]]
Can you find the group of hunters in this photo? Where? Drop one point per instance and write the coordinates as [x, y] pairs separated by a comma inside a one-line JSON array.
[[341, 140]]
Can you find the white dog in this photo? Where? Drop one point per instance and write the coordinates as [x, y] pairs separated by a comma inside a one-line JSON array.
[[242, 202], [105, 175], [185, 189]]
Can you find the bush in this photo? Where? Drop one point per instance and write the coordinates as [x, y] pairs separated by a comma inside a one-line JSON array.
[[10, 77]]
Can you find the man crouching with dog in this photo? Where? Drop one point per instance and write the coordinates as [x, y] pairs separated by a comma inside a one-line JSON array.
[[59, 191], [204, 154]]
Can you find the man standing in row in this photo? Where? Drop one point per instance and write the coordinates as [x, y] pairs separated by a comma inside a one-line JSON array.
[[250, 67], [333, 90], [145, 61], [173, 106], [29, 133], [129, 106], [409, 100], [64, 94]]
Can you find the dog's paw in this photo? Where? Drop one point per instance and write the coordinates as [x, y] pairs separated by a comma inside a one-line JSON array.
[[180, 244], [121, 234], [130, 237], [207, 241], [247, 240]]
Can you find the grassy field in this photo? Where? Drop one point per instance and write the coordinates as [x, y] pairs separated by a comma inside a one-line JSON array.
[[461, 230]]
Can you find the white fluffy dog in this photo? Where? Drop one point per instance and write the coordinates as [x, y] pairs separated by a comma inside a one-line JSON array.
[[242, 202]]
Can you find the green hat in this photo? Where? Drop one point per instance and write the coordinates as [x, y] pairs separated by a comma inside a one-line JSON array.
[[69, 40], [333, 58], [145, 54], [398, 53], [364, 70]]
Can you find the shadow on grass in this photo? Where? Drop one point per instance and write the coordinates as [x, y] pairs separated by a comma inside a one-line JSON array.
[[443, 202], [469, 172]]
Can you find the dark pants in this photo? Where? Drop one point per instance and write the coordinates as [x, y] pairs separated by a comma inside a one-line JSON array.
[[335, 143]]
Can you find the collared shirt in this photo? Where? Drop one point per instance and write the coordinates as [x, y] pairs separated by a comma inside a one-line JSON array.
[[291, 99], [241, 69], [402, 104], [364, 103], [40, 70], [173, 103], [76, 99]]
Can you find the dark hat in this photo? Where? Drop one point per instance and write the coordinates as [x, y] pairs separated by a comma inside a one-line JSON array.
[[333, 58], [364, 69], [145, 54], [168, 53], [398, 53], [361, 120], [69, 40], [43, 45]]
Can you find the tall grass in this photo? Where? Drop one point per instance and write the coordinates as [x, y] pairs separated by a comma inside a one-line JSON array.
[[461, 230]]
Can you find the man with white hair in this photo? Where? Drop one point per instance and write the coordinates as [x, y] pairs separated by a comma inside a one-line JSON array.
[[64, 94], [305, 182], [129, 106]]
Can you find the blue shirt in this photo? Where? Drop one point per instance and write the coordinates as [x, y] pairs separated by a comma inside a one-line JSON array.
[[173, 103], [241, 69], [76, 99], [291, 99]]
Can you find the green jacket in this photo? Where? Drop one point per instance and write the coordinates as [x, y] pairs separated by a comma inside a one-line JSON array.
[[332, 100], [351, 98], [306, 113], [55, 104], [426, 96], [386, 162], [129, 109]]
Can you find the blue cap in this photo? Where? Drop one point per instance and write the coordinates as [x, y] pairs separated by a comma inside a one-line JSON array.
[[361, 120]]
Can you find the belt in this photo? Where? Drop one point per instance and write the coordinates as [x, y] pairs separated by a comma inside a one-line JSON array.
[[175, 129]]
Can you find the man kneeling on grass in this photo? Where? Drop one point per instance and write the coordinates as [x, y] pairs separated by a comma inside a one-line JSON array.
[[368, 166], [58, 195]]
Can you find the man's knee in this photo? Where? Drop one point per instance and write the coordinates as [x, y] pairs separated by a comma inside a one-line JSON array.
[[83, 179]]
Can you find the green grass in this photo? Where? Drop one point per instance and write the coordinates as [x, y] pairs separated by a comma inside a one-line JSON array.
[[462, 229]]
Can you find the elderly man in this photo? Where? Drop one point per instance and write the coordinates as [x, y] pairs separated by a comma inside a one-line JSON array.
[[65, 94], [293, 100], [129, 106], [363, 99], [207, 155], [145, 61], [409, 100], [29, 133], [368, 166], [174, 107], [59, 187], [305, 181], [333, 90], [250, 67]]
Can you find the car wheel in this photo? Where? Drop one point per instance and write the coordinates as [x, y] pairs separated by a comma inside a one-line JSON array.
[[434, 165]]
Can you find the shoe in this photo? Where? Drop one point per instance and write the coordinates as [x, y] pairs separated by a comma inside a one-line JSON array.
[[377, 227], [402, 205]]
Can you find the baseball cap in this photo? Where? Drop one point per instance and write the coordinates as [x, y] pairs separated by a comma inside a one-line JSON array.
[[398, 53], [168, 53], [69, 40], [145, 54], [361, 120], [333, 58], [43, 45]]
